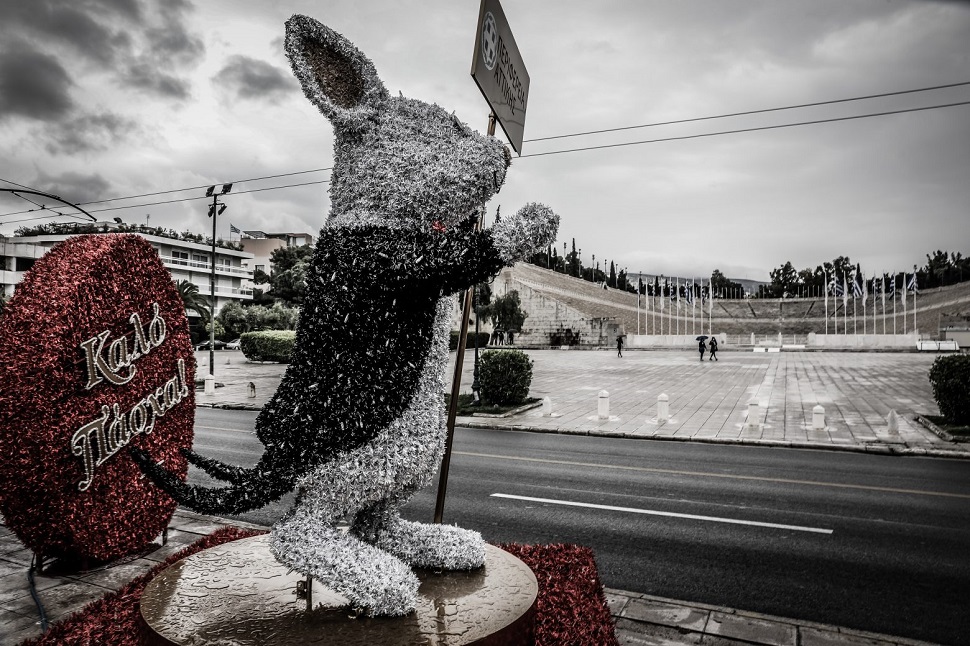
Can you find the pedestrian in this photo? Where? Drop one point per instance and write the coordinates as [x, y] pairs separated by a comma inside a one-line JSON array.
[[713, 350], [619, 345], [701, 348], [493, 340], [511, 337], [501, 337]]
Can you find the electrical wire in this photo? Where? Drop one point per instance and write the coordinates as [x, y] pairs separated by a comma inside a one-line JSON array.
[[33, 593], [750, 112], [743, 130], [570, 150]]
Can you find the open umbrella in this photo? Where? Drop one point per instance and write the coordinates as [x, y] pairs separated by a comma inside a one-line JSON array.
[[701, 337]]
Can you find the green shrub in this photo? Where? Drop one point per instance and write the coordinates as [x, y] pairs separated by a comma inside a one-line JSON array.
[[470, 342], [504, 376], [268, 345], [950, 378]]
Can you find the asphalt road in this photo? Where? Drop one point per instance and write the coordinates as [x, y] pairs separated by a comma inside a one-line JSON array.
[[870, 542]]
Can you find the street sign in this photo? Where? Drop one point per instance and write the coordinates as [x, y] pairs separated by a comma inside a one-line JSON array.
[[499, 72]]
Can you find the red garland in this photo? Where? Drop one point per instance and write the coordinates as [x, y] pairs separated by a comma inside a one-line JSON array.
[[81, 288], [572, 607], [115, 619]]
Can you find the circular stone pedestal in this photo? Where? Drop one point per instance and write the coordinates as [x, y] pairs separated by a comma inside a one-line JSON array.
[[237, 593]]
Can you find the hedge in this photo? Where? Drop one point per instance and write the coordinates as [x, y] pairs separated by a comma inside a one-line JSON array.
[[950, 378], [268, 345], [504, 376]]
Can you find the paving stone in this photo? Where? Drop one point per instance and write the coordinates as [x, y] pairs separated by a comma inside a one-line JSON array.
[[632, 633], [821, 637], [751, 629], [666, 614]]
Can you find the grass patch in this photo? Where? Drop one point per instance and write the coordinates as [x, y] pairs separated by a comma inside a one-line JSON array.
[[468, 407]]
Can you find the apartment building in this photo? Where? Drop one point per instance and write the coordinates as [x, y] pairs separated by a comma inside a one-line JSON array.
[[187, 257]]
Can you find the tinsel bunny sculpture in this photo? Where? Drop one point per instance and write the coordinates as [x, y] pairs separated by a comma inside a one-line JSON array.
[[357, 424]]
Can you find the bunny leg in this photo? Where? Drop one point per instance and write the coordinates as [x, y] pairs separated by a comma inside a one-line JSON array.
[[440, 547], [373, 580]]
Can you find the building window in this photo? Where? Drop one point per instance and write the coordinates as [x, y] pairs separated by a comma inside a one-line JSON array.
[[24, 264], [180, 257], [200, 257]]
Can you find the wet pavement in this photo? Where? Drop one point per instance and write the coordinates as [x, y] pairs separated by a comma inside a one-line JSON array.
[[706, 402]]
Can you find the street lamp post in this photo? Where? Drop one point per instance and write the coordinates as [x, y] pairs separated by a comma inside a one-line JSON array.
[[214, 211]]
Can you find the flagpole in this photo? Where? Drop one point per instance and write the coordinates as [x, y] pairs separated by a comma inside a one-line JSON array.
[[905, 304], [894, 303], [915, 288], [710, 305], [825, 273], [865, 300]]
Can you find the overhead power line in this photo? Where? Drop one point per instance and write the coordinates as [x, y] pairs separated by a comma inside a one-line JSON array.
[[175, 190], [750, 112], [742, 130], [558, 152]]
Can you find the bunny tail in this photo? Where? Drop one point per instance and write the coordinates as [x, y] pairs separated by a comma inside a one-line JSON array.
[[250, 490], [217, 469]]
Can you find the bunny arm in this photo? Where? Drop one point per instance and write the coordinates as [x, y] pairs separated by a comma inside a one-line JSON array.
[[410, 260]]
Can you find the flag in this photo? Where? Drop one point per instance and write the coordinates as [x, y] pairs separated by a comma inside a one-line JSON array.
[[835, 288], [689, 293], [892, 287], [912, 285], [845, 290], [233, 228], [857, 289]]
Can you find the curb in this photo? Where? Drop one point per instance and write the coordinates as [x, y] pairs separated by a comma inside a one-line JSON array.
[[874, 449]]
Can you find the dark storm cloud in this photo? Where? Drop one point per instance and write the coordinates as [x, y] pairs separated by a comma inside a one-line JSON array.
[[249, 78], [92, 132], [74, 187], [63, 23], [33, 84], [144, 46], [148, 78]]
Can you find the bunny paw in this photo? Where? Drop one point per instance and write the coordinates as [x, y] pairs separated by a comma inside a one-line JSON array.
[[531, 229]]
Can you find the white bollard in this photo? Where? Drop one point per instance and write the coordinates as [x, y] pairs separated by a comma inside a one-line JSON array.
[[210, 385], [603, 405], [893, 422], [546, 407], [663, 407], [754, 414], [818, 418]]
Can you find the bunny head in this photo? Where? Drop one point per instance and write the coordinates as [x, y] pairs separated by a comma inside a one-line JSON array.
[[397, 161]]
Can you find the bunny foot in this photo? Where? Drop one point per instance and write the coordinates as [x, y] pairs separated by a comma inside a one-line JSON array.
[[437, 547], [375, 582]]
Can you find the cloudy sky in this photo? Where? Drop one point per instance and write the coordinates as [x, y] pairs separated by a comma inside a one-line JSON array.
[[109, 99]]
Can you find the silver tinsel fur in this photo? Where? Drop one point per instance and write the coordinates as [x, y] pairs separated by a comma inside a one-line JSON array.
[[399, 163]]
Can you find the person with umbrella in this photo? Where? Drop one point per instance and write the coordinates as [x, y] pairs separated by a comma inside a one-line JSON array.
[[713, 349], [700, 345], [619, 345]]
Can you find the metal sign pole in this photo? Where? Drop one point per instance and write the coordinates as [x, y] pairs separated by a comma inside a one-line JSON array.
[[439, 507]]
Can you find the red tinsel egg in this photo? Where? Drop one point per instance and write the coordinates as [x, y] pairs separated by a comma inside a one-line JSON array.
[[96, 357]]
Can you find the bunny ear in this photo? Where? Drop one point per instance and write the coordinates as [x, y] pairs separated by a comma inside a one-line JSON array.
[[335, 75]]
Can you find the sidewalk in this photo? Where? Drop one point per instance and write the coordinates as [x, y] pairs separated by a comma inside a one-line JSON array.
[[707, 402]]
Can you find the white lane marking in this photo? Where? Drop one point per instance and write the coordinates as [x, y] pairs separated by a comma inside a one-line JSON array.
[[708, 474], [669, 514]]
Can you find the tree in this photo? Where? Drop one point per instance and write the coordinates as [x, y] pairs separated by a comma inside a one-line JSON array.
[[289, 272], [612, 282], [506, 312], [784, 281], [724, 287], [193, 300], [234, 319]]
